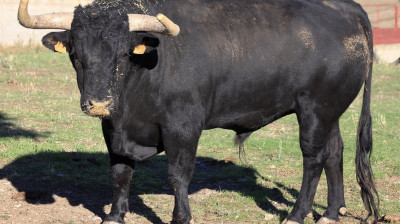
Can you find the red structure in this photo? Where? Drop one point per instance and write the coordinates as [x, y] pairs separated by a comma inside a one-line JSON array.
[[386, 35]]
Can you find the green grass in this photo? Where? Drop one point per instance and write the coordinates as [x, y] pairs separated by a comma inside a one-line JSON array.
[[44, 135]]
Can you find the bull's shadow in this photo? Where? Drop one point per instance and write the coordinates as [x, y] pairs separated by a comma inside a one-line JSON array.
[[83, 178], [9, 129]]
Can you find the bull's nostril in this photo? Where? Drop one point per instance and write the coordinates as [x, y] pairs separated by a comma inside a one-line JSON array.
[[99, 109], [86, 105]]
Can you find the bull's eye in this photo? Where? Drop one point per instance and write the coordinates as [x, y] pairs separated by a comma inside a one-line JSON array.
[[77, 63], [72, 50]]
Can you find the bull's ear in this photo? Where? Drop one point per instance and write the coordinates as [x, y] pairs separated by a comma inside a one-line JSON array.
[[145, 43], [145, 51], [57, 41]]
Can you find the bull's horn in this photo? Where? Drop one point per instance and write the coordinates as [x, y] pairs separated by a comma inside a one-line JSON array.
[[47, 21], [160, 24]]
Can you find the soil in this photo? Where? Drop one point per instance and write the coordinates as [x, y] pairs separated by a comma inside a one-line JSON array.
[[43, 201], [31, 201]]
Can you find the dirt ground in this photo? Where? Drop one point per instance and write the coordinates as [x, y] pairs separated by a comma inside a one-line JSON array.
[[25, 201], [43, 203], [39, 205]]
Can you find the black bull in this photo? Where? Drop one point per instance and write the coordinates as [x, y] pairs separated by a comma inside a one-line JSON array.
[[237, 65]]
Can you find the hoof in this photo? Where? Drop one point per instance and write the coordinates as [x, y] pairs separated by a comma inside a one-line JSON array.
[[191, 221], [342, 211], [110, 222], [325, 220], [310, 215], [289, 222]]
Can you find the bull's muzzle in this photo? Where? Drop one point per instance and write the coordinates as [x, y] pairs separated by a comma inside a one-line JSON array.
[[98, 109]]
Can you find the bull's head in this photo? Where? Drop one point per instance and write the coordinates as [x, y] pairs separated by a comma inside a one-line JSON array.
[[98, 44]]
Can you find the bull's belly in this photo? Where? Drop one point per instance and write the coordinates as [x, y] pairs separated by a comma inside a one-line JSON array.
[[246, 122]]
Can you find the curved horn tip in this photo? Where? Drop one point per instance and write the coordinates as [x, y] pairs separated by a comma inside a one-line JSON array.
[[23, 2], [160, 16], [172, 29], [23, 16], [45, 21]]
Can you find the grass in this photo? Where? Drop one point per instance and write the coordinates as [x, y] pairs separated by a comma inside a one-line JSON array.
[[44, 135]]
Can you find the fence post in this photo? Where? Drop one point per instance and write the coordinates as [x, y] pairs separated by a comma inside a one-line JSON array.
[[377, 16]]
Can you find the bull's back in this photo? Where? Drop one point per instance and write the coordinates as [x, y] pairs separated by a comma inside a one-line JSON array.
[[252, 58]]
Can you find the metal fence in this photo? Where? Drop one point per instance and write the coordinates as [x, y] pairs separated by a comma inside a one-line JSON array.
[[385, 22]]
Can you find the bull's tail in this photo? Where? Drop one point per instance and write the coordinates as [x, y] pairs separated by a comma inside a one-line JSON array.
[[364, 173]]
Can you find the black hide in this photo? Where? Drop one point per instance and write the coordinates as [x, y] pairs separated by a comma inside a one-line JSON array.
[[237, 65]]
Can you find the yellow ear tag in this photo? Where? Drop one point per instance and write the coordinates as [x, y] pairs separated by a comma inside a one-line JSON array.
[[59, 47], [139, 49]]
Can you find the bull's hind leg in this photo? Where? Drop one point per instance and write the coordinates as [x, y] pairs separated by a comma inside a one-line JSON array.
[[314, 140], [334, 174], [121, 171]]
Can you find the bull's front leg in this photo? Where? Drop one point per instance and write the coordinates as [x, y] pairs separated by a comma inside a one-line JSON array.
[[180, 149], [121, 171], [122, 175]]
